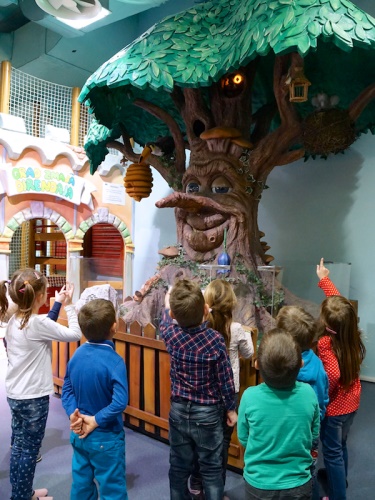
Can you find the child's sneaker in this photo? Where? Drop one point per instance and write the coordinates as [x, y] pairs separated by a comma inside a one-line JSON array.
[[41, 492], [196, 494], [39, 457]]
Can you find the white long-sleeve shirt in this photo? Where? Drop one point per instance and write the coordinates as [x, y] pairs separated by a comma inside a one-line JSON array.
[[240, 344], [29, 373]]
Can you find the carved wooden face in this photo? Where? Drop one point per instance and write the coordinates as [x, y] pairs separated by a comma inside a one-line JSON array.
[[214, 198]]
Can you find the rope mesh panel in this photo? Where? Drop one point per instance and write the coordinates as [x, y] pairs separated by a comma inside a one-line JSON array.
[[84, 124], [39, 103], [17, 258]]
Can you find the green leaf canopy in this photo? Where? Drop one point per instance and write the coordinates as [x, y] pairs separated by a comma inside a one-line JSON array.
[[198, 46]]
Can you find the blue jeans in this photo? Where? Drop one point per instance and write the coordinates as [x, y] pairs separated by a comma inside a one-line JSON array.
[[99, 456], [29, 418], [333, 435], [195, 429]]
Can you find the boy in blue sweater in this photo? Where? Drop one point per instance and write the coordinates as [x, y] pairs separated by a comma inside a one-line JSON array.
[[94, 395]]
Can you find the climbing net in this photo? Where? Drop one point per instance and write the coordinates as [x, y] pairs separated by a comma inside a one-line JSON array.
[[39, 103]]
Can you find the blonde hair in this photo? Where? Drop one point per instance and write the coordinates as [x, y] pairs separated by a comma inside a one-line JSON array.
[[220, 297], [339, 321], [23, 287]]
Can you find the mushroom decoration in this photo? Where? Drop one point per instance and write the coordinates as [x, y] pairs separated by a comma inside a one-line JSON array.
[[169, 252], [138, 181], [219, 138]]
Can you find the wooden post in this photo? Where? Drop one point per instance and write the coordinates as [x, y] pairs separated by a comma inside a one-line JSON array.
[[76, 112], [6, 70]]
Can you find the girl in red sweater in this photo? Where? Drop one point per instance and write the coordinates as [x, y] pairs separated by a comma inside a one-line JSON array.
[[341, 350]]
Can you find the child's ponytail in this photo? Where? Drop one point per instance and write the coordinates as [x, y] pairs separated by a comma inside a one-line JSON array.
[[23, 289], [4, 303], [220, 297]]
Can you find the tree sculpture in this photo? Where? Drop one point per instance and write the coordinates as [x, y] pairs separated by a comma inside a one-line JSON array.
[[228, 80]]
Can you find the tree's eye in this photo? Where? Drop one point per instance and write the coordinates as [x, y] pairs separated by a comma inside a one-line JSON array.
[[221, 185], [192, 187]]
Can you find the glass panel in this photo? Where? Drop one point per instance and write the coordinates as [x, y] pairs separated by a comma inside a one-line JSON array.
[[86, 272]]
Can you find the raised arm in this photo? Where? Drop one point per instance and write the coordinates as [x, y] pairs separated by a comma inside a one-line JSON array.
[[324, 282]]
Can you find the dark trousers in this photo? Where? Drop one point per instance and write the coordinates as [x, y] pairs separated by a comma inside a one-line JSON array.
[[29, 418], [303, 492], [196, 478], [195, 430]]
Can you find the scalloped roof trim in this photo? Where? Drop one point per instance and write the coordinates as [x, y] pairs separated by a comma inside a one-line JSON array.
[[15, 144]]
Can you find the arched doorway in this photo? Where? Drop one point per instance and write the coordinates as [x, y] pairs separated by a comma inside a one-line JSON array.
[[103, 252]]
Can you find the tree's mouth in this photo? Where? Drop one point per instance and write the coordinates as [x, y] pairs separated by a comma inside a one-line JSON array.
[[203, 219]]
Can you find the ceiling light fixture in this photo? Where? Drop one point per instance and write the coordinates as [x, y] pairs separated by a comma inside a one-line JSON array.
[[82, 23], [70, 9]]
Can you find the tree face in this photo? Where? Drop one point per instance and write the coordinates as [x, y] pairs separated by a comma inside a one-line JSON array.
[[215, 197]]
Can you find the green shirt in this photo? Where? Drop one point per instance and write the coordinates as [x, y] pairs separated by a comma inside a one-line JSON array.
[[277, 428]]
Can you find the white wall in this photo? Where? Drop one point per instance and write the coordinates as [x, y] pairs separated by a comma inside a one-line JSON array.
[[325, 208], [154, 229]]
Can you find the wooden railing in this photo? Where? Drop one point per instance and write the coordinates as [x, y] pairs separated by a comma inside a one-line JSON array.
[[147, 363]]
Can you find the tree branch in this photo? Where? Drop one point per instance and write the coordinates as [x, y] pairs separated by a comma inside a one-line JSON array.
[[291, 157], [274, 148], [287, 110], [177, 97], [359, 104], [263, 119], [125, 149], [173, 127], [196, 115]]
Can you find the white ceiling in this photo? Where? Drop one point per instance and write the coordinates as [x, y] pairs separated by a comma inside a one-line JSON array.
[[42, 46], [48, 49]]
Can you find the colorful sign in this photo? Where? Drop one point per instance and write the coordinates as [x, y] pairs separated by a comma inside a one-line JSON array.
[[65, 185]]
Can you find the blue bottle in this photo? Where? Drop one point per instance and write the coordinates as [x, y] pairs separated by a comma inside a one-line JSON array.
[[223, 258]]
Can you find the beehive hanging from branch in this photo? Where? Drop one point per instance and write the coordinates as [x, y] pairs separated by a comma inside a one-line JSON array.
[[138, 181]]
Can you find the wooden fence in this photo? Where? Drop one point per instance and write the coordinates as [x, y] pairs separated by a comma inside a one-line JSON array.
[[147, 363]]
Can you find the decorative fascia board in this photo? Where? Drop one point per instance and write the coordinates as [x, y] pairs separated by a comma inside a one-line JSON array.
[[111, 161], [15, 143]]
